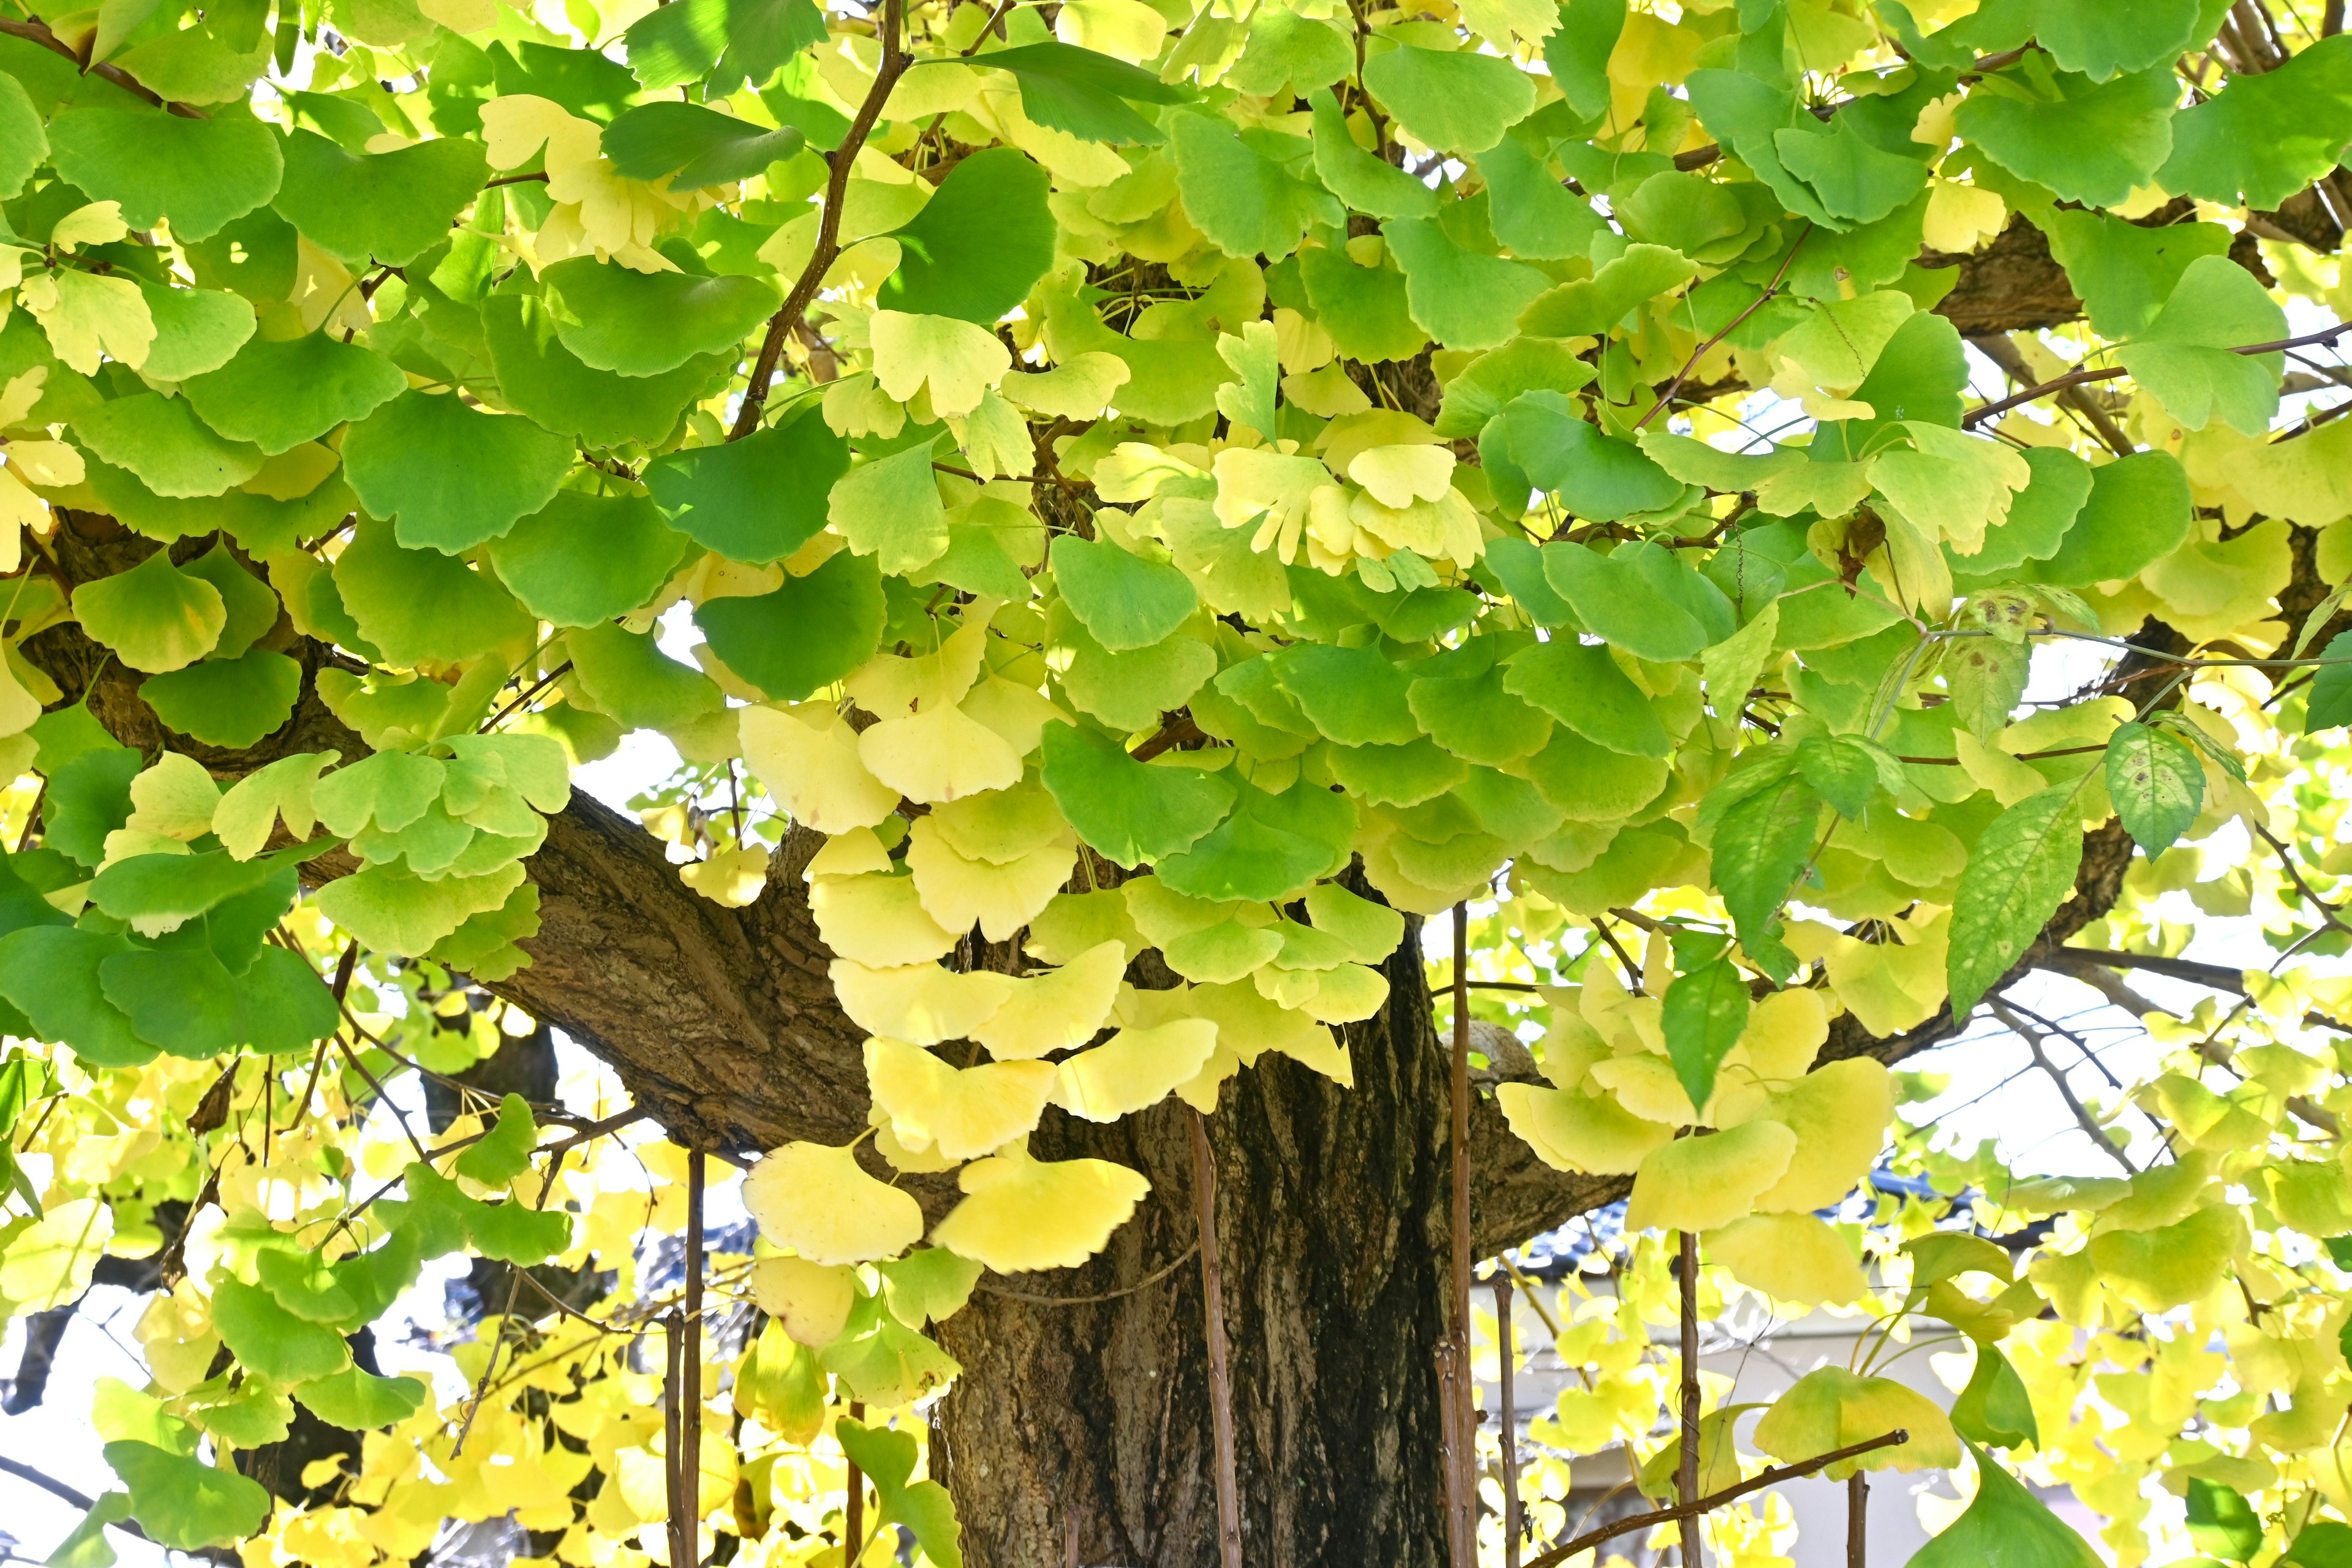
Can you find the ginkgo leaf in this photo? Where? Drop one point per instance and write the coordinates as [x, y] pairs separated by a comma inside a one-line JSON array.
[[940, 754], [954, 361], [960, 893], [1577, 1132], [819, 1202], [1059, 1010], [808, 758], [1789, 1257], [876, 918], [921, 1004], [1133, 1068], [811, 1300], [1020, 1214], [963, 1113], [1831, 1408], [1705, 1182], [1839, 1113]]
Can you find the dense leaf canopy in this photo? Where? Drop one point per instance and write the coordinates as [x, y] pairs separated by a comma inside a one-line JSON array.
[[1116, 507]]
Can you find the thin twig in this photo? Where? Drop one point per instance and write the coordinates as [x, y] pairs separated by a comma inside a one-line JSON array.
[[1154, 1278], [1708, 347], [497, 1346], [2082, 1112], [1505, 1353], [1756, 1482], [2078, 377], [828, 227]]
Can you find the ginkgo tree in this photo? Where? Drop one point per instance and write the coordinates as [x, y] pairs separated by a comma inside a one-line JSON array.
[[1124, 513]]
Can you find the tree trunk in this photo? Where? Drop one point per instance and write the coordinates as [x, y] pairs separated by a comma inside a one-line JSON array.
[[1080, 1433]]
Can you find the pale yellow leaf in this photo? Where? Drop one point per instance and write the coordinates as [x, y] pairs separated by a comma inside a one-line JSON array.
[[176, 798], [1133, 1068], [941, 754], [1705, 1182], [961, 1112], [1790, 1257], [876, 918], [919, 1003], [1573, 1131], [1056, 1011], [808, 759], [819, 1203], [812, 1301], [960, 893], [956, 360], [1020, 1214]]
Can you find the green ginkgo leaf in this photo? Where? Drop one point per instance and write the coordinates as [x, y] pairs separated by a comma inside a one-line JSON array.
[[1124, 600], [184, 1503], [2095, 144], [980, 243], [1450, 101], [586, 558], [196, 331], [504, 1150], [806, 635], [182, 1000], [278, 394], [230, 702], [447, 477], [359, 1401], [388, 207], [163, 441], [643, 323], [271, 1340], [50, 974], [154, 616], [547, 383], [755, 501], [417, 605], [199, 173], [1130, 811]]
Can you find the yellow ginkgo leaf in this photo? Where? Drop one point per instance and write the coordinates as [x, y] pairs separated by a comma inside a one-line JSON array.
[[1059, 1010], [893, 686], [1000, 826], [1346, 994], [922, 1161], [1020, 1214], [1000, 898], [51, 465], [1255, 1025], [1573, 1131], [807, 757], [1704, 1183], [919, 1003], [1399, 476], [941, 754], [1646, 1086], [1124, 29], [176, 798], [1790, 1257], [877, 919], [1080, 387], [1831, 1408], [1784, 1033], [812, 1301], [733, 877], [849, 854], [957, 360], [1133, 1068], [818, 1202], [961, 1113], [1838, 1113]]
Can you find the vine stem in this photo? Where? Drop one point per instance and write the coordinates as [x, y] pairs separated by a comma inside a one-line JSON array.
[[1857, 1520], [853, 1521], [1460, 1420], [1220, 1385], [894, 65], [1687, 1480]]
